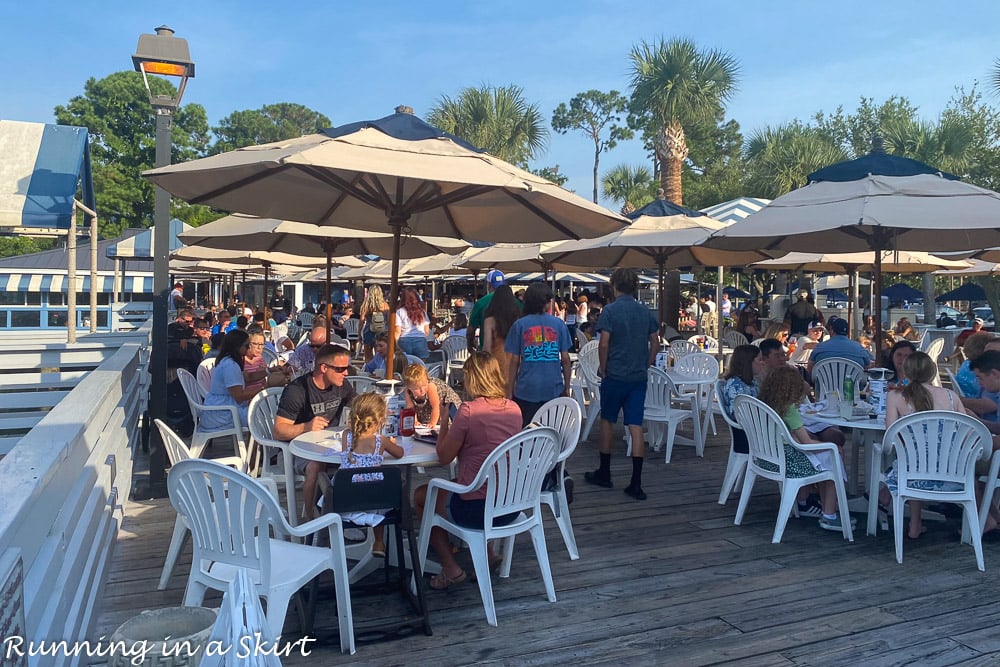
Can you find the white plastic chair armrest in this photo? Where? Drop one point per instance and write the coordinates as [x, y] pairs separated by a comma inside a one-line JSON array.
[[454, 487], [331, 521], [816, 447]]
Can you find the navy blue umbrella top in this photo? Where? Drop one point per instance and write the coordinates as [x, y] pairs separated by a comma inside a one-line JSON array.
[[967, 292], [661, 208], [403, 126], [881, 164], [901, 291]]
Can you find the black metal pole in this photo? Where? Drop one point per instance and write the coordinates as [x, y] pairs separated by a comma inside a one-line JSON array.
[[161, 288]]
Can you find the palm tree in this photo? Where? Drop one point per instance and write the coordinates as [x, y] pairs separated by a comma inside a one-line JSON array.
[[498, 120], [631, 186], [780, 159], [946, 145], [676, 85]]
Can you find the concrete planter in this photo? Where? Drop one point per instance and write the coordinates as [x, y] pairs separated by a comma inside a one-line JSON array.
[[188, 629]]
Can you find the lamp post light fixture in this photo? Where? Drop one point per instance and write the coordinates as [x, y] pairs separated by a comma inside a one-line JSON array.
[[161, 54]]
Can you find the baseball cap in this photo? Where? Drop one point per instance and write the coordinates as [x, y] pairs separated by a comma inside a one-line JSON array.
[[816, 325], [495, 278], [839, 326], [979, 320]]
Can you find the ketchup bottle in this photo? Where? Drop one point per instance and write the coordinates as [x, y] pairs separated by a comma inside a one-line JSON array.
[[407, 422]]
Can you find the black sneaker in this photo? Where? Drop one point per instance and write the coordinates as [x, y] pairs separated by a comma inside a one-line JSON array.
[[597, 479], [636, 492], [568, 488]]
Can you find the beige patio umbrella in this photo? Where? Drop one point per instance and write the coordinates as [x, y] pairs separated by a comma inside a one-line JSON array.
[[247, 232], [394, 174], [898, 261], [662, 242]]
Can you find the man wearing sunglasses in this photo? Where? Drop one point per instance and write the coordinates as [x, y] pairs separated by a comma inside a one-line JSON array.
[[311, 403]]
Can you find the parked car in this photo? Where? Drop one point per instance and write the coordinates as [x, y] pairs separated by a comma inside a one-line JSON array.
[[985, 313]]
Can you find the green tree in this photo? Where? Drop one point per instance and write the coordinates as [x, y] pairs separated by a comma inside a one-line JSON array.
[[715, 170], [780, 159], [630, 186], [272, 122], [551, 174], [496, 119], [22, 245], [674, 85], [591, 112], [117, 113]]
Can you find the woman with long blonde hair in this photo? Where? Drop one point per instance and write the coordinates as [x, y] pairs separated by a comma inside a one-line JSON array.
[[480, 425], [373, 303]]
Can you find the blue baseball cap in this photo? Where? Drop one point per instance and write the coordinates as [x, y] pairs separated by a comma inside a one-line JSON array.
[[495, 278]]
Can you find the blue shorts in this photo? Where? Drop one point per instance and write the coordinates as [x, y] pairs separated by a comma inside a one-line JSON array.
[[626, 397]]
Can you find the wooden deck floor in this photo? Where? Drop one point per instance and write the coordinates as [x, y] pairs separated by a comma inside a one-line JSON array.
[[668, 581]]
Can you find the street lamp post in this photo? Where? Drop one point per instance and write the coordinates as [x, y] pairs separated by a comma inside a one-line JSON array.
[[165, 55]]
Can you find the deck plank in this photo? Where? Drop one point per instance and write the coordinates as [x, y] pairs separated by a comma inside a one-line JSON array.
[[669, 581]]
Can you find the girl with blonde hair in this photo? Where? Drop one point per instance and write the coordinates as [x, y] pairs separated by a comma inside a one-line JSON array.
[[480, 425], [365, 447], [427, 395]]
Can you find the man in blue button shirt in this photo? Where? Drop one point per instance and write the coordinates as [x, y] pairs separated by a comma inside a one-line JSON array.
[[840, 345], [628, 343]]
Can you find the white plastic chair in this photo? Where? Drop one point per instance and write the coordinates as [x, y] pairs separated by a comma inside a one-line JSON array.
[[955, 386], [177, 451], [563, 414], [737, 464], [587, 364], [828, 376], [435, 370], [935, 348], [270, 357], [660, 412], [263, 409], [938, 445], [734, 339], [513, 474], [205, 369], [200, 437], [767, 435], [278, 331], [682, 348], [581, 339], [454, 352], [700, 395], [231, 519]]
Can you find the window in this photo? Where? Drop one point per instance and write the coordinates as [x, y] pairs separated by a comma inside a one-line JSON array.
[[34, 298], [3, 319], [25, 318], [57, 299], [12, 298], [57, 318], [83, 298]]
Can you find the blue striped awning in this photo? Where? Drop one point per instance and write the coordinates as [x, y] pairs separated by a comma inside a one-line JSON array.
[[37, 282], [735, 209], [140, 246], [41, 167]]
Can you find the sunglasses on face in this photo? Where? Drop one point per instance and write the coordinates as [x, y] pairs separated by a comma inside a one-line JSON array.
[[337, 369], [316, 346]]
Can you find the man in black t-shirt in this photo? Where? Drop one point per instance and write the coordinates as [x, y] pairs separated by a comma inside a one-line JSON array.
[[800, 315], [280, 307], [311, 403]]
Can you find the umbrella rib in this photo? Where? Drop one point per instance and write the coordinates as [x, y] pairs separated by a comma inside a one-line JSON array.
[[451, 221], [236, 185], [349, 188], [328, 214], [543, 215], [465, 192]]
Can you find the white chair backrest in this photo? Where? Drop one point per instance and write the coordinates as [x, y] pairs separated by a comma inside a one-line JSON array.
[[564, 415], [957, 388], [229, 514], [938, 445], [659, 389], [935, 348], [277, 331], [681, 348], [176, 449], [455, 348], [513, 473], [352, 325], [263, 409], [411, 359], [435, 370], [699, 364], [766, 432], [306, 319], [581, 338], [270, 357], [829, 374], [587, 363], [205, 369], [711, 344], [191, 390], [361, 383], [734, 339]]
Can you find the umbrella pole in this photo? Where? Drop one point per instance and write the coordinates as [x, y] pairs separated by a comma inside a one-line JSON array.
[[718, 313], [267, 318], [659, 296], [329, 283], [396, 224], [877, 305]]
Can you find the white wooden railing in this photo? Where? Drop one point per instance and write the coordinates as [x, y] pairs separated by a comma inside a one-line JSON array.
[[62, 483]]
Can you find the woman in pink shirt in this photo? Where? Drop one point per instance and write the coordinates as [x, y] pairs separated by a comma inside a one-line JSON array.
[[480, 426]]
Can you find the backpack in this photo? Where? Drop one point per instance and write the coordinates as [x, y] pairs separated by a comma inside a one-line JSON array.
[[378, 322]]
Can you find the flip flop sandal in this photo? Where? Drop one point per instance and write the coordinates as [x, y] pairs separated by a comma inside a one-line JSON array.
[[442, 582]]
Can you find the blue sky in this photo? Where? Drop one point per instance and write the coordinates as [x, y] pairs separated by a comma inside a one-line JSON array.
[[359, 60]]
